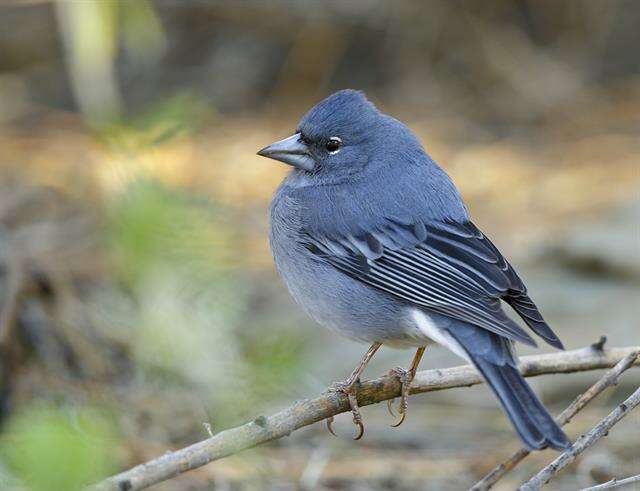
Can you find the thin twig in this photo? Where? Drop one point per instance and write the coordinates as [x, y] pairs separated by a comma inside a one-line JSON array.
[[608, 379], [10, 307], [582, 444], [599, 344], [264, 429], [614, 483]]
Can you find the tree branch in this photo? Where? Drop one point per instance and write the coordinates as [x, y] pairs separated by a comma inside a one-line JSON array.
[[582, 444], [614, 483], [303, 413], [608, 379]]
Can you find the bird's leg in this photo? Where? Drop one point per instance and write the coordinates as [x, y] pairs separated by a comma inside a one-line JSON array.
[[348, 387], [406, 377]]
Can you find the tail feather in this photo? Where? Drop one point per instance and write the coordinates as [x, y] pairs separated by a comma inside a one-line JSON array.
[[493, 357], [533, 423]]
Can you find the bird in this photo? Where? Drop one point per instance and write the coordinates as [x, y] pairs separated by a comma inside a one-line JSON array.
[[373, 240]]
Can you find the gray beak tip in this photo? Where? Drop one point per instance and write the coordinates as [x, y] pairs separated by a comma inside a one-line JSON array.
[[290, 151]]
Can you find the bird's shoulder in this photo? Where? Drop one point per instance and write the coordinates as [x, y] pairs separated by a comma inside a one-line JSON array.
[[402, 193]]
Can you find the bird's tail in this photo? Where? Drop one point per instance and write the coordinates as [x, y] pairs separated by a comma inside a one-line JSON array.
[[493, 356], [532, 421]]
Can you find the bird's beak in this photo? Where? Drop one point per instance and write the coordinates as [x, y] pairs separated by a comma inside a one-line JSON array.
[[292, 151]]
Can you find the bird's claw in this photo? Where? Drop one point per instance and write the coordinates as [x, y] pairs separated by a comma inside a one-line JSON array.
[[405, 381], [390, 407], [360, 432], [400, 420], [357, 418], [329, 421], [359, 426], [350, 391]]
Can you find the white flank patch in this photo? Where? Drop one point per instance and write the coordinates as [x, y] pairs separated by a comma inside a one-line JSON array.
[[440, 336]]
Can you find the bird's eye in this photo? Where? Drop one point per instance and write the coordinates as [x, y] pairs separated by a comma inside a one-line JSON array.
[[333, 144]]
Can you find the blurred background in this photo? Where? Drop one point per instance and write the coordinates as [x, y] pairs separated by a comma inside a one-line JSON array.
[[138, 299]]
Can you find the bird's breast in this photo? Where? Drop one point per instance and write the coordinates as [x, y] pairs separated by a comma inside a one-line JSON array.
[[333, 299]]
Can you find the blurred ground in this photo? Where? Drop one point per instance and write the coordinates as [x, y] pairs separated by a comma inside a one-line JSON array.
[[137, 292]]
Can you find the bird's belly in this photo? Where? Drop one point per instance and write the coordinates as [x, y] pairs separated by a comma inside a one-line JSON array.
[[344, 305]]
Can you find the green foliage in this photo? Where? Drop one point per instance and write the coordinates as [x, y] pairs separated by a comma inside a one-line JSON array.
[[151, 228], [182, 113], [50, 449], [274, 358], [188, 323], [174, 255], [142, 32]]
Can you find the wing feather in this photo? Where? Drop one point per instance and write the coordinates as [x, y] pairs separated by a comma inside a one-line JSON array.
[[451, 268]]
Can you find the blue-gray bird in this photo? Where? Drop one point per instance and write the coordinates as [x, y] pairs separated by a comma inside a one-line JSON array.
[[373, 240]]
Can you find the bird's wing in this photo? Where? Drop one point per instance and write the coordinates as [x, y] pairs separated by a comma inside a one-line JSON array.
[[450, 268]]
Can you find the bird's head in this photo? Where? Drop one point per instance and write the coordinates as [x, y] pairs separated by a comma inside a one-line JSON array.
[[340, 137]]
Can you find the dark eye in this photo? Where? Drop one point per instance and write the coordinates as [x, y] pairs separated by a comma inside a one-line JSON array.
[[333, 144]]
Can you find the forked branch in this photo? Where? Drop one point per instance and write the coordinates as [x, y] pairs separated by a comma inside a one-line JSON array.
[[582, 444], [264, 429], [608, 379]]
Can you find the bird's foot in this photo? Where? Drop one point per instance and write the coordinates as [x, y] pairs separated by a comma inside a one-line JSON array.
[[350, 390], [406, 377]]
